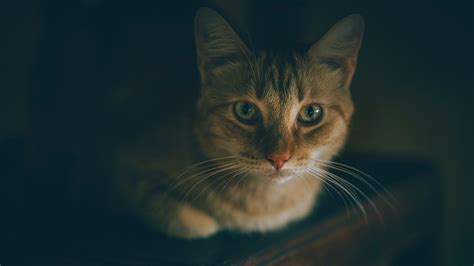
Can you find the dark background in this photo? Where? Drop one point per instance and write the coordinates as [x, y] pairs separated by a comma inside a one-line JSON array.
[[69, 67]]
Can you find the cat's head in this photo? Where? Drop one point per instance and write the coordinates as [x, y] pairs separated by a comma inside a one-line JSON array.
[[274, 114]]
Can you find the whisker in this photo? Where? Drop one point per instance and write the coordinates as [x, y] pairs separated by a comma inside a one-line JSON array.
[[348, 191], [223, 178], [359, 174], [197, 171], [184, 171], [202, 179], [330, 185], [239, 172], [307, 185], [219, 166], [382, 196], [359, 191], [246, 174]]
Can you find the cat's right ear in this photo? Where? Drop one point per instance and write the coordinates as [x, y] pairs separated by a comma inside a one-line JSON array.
[[339, 47], [216, 42]]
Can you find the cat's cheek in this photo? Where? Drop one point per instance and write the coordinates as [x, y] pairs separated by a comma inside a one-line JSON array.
[[316, 154], [217, 147]]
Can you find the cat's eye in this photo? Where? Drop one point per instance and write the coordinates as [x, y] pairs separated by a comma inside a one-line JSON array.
[[246, 112], [310, 114]]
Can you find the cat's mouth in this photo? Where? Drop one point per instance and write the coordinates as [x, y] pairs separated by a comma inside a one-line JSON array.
[[280, 176]]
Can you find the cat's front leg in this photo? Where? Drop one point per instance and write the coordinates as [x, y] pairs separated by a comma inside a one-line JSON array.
[[176, 218]]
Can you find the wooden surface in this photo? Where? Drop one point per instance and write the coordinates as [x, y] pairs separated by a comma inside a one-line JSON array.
[[332, 235]]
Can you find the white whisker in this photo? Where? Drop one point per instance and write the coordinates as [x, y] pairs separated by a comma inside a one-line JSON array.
[[348, 191], [239, 172], [330, 185], [202, 179], [217, 179], [184, 171], [359, 174], [214, 167]]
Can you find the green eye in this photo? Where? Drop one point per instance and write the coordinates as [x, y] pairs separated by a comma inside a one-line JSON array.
[[310, 114], [246, 112]]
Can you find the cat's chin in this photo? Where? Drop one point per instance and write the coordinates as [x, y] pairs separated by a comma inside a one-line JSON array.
[[281, 177], [282, 180]]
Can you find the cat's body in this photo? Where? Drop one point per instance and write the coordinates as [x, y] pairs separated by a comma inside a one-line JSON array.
[[146, 177], [245, 158]]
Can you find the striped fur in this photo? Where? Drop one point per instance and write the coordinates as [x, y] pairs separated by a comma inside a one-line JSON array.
[[247, 194]]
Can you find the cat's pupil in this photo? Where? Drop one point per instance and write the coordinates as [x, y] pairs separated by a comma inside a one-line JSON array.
[[310, 111], [246, 109]]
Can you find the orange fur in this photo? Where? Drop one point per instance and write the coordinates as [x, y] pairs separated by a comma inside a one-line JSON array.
[[238, 189]]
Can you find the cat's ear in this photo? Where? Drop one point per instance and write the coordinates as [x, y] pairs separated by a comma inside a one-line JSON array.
[[339, 47], [216, 42]]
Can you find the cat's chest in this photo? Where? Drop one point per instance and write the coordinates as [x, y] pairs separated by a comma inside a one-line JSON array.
[[270, 208], [269, 198]]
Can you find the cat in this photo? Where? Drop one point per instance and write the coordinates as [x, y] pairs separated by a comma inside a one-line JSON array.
[[249, 156]]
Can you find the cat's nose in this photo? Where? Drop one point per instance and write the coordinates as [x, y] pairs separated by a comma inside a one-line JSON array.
[[278, 159]]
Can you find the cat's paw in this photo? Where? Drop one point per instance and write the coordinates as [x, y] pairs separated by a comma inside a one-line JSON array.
[[192, 223], [178, 219]]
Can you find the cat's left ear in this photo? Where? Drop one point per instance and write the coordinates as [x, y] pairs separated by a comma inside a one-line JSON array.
[[216, 42], [339, 47]]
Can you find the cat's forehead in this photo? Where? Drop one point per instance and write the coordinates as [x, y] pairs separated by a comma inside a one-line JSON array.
[[285, 78], [278, 81], [279, 78], [277, 84]]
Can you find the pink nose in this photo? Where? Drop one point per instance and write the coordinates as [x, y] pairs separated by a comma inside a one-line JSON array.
[[278, 159]]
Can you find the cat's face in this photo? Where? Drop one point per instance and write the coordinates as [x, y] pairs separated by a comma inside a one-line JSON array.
[[274, 114]]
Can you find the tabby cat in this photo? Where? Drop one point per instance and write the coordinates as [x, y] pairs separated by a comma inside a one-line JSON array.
[[252, 157]]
